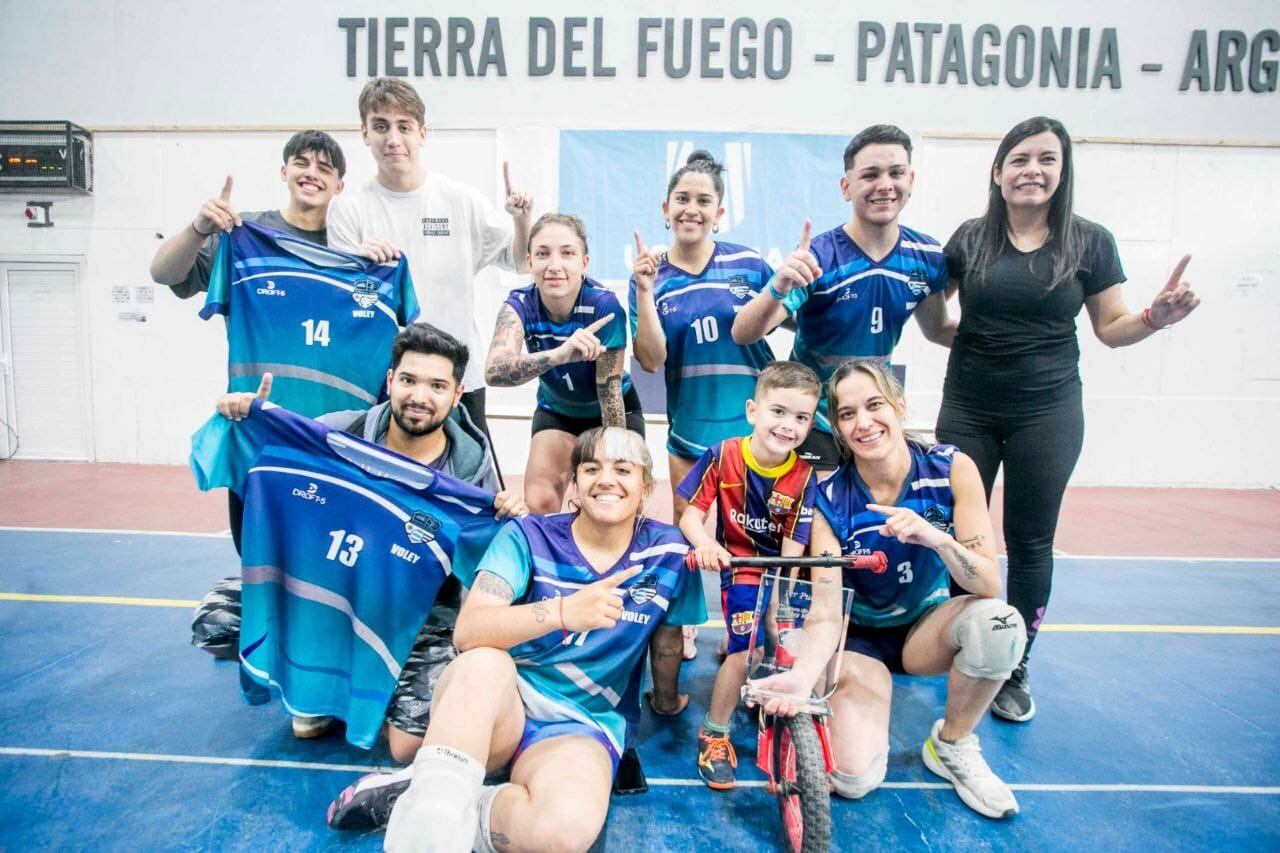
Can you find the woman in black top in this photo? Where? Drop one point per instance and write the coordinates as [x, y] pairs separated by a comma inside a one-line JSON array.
[[1012, 393]]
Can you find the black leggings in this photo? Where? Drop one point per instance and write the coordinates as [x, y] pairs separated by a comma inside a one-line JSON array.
[[1039, 445]]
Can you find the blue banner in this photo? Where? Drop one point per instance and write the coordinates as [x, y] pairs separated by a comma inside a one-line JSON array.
[[616, 182]]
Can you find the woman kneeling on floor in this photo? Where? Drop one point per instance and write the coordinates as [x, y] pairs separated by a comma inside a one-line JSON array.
[[925, 508]]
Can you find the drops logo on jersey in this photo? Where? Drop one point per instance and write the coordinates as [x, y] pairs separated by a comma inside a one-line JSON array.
[[310, 493], [365, 293], [936, 516], [421, 527], [271, 289], [644, 589]]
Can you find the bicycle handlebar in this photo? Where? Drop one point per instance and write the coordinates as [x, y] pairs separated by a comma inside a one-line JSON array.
[[875, 562]]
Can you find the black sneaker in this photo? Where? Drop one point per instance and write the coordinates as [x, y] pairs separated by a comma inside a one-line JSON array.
[[716, 761], [1014, 702], [367, 804]]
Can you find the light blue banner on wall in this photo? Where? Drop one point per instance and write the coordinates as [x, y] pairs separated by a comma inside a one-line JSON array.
[[617, 180]]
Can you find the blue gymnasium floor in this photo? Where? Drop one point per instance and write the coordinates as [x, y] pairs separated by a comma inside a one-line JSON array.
[[116, 734]]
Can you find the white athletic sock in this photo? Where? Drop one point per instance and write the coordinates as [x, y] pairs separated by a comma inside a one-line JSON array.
[[483, 843], [438, 812]]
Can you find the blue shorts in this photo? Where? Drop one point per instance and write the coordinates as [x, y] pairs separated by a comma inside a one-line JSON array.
[[536, 731], [738, 603]]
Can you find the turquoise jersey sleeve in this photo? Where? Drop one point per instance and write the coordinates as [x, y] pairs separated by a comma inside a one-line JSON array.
[[406, 298], [795, 299], [633, 315], [221, 453], [509, 558], [614, 334], [218, 299], [690, 606]]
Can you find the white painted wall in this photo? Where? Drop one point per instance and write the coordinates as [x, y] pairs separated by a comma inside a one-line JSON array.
[[1192, 406]]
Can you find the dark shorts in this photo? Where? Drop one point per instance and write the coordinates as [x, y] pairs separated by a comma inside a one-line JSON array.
[[819, 450], [883, 644], [546, 419]]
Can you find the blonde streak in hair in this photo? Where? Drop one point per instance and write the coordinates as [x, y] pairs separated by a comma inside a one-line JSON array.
[[623, 445]]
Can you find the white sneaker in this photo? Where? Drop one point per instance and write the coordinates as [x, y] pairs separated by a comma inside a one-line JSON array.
[[961, 763]]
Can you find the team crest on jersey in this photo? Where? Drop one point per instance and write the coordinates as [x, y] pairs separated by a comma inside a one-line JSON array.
[[918, 286], [644, 589], [738, 286], [365, 293], [780, 504], [422, 527], [936, 516], [742, 622]]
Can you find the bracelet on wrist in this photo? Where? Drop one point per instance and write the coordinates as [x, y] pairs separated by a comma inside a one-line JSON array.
[[201, 234], [563, 630], [1146, 321], [773, 291]]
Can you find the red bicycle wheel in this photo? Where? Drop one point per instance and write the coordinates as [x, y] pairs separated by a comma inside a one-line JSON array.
[[800, 775]]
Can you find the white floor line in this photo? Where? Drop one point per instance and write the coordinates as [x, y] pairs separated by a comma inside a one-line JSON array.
[[226, 534], [656, 782]]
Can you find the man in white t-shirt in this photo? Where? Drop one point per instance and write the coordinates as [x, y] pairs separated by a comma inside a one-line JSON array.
[[448, 231]]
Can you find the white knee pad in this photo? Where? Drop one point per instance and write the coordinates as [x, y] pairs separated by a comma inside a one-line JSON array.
[[856, 787], [990, 637]]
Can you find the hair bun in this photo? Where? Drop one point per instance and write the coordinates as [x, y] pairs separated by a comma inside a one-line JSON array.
[[700, 155]]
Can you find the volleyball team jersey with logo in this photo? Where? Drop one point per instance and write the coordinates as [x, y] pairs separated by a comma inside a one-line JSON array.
[[345, 546], [584, 677], [708, 376], [755, 506], [319, 320], [570, 389], [858, 307], [917, 578]]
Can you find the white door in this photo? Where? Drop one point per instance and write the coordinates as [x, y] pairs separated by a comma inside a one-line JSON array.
[[46, 386]]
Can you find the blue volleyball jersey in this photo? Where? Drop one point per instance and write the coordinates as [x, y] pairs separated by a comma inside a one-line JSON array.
[[345, 546], [917, 578], [708, 376], [756, 507], [858, 307], [570, 389], [319, 320], [586, 676]]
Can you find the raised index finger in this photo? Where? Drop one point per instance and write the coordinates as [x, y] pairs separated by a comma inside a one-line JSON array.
[[1176, 277], [225, 195], [600, 324], [804, 236], [506, 175], [640, 249]]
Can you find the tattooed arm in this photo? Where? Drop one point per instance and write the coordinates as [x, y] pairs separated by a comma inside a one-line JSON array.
[[508, 364], [488, 618], [666, 651], [971, 555], [609, 388]]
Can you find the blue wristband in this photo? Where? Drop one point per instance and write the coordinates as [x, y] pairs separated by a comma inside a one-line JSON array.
[[773, 291]]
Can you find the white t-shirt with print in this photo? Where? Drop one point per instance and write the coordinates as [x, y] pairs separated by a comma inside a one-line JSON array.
[[449, 232]]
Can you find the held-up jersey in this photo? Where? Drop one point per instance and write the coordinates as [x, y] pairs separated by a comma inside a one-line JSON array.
[[917, 578], [345, 546], [858, 307], [585, 676], [709, 377], [319, 320], [570, 389], [755, 506]]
